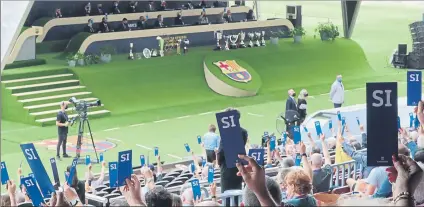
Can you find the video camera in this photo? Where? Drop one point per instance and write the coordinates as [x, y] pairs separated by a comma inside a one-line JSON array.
[[81, 106], [267, 137]]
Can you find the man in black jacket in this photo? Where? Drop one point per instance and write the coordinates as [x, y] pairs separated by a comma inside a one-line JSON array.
[[291, 109], [104, 26], [179, 19], [159, 22], [89, 28], [142, 23], [124, 25]]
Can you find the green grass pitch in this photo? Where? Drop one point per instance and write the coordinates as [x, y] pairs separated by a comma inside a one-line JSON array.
[[172, 90]]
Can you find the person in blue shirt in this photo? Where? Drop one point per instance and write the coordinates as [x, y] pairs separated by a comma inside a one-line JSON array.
[[211, 143]]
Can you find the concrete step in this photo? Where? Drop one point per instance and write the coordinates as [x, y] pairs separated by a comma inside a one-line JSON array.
[[93, 114], [50, 106], [50, 92], [40, 79], [70, 111], [56, 98], [43, 86]]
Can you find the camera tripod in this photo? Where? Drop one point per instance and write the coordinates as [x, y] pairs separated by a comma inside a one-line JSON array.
[[83, 120]]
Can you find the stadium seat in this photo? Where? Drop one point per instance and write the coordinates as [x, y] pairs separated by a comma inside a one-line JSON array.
[[169, 179], [173, 174], [117, 191], [101, 187], [108, 190], [182, 179], [113, 195], [173, 184], [101, 193], [162, 183]]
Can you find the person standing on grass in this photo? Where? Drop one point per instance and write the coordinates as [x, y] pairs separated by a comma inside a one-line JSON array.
[[337, 92], [62, 129], [211, 143]]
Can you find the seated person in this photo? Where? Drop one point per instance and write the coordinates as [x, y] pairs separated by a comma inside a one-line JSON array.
[[220, 19], [124, 25], [162, 5], [202, 4], [151, 6], [216, 4], [250, 15], [115, 8], [159, 22], [58, 13], [133, 6], [88, 9], [189, 5], [100, 9], [179, 19], [104, 26], [89, 28], [203, 19], [142, 23], [228, 17]]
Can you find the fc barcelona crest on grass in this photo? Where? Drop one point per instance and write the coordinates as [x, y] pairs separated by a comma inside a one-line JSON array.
[[234, 71]]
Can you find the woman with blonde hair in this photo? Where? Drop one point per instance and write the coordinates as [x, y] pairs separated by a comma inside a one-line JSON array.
[[302, 105], [298, 189]]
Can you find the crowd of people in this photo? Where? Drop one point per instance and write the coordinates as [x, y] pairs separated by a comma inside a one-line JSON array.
[[294, 185]]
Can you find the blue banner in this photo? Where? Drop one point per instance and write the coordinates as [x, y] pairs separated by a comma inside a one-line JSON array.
[[87, 160], [124, 166], [199, 140], [306, 129], [187, 147], [142, 160], [296, 135], [101, 157], [197, 194], [33, 191], [416, 122], [72, 171], [4, 174], [339, 116], [298, 159], [398, 123], [211, 173], [55, 172], [284, 138], [414, 87], [411, 120], [156, 151], [357, 121], [258, 155], [113, 174], [330, 124], [272, 143], [38, 169], [343, 121], [382, 123], [318, 128], [231, 137]]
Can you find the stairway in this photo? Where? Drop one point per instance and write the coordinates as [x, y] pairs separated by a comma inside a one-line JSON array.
[[40, 95]]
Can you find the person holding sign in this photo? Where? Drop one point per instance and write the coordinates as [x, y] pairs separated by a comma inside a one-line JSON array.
[[337, 92], [321, 174], [62, 129], [90, 183], [211, 143], [78, 185]]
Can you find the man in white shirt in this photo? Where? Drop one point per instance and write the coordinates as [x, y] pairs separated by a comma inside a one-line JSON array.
[[337, 92]]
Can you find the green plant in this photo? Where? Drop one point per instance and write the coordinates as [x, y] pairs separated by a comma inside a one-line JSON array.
[[298, 31], [71, 56], [277, 34], [79, 56], [328, 28], [92, 59], [107, 50]]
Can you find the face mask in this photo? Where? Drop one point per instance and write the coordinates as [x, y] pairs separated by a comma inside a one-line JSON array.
[[294, 94], [339, 79], [66, 107]]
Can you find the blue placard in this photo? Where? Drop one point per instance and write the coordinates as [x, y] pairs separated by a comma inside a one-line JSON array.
[[339, 116], [142, 160], [203, 162], [192, 167], [382, 115], [265, 133], [411, 120], [199, 140], [272, 143], [187, 147], [4, 174], [55, 172], [284, 138], [357, 121], [416, 122], [72, 171], [66, 176], [298, 159], [343, 121], [306, 129], [398, 123], [113, 174], [33, 191], [211, 173], [414, 87], [195, 185], [231, 137], [156, 151], [258, 155], [38, 169], [330, 124], [87, 160], [318, 128], [124, 166], [101, 157], [296, 135]]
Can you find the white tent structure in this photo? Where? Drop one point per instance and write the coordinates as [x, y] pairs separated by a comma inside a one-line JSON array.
[[13, 15]]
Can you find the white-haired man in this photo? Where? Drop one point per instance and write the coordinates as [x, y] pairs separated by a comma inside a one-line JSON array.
[[337, 92], [321, 175]]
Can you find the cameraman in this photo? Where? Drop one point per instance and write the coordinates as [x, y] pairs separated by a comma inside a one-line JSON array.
[[62, 128]]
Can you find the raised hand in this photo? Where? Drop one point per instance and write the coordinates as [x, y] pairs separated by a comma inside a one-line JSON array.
[[409, 175], [131, 191]]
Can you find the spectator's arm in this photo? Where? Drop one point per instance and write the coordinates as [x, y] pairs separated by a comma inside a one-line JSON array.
[[159, 165], [311, 141], [358, 157], [325, 150], [370, 190], [420, 113], [11, 189], [305, 161], [268, 152], [333, 90], [196, 166]]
